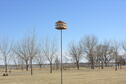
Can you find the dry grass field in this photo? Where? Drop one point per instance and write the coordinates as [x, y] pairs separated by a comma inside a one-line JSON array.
[[71, 76]]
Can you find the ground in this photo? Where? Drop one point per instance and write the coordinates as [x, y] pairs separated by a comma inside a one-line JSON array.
[[70, 76]]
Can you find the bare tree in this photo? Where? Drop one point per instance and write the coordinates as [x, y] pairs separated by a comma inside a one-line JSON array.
[[104, 53], [115, 52], [40, 59], [32, 47], [20, 50], [124, 45], [124, 48], [120, 61], [16, 61], [89, 44], [6, 52], [107, 52], [57, 62], [49, 50], [27, 50], [76, 52], [99, 55]]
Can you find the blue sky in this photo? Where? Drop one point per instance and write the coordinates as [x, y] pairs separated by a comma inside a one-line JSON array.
[[105, 19]]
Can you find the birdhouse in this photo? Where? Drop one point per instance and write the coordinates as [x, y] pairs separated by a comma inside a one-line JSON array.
[[60, 25]]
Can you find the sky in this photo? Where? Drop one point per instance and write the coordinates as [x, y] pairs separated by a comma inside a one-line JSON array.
[[105, 19]]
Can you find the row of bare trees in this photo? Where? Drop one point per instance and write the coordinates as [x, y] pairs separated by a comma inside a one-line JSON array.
[[97, 53], [30, 50]]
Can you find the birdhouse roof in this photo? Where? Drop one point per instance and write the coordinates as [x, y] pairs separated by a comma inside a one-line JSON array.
[[60, 22]]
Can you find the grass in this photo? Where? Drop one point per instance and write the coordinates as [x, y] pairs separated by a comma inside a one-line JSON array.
[[71, 76]]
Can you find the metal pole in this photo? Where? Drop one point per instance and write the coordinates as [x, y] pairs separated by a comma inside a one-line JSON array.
[[61, 61]]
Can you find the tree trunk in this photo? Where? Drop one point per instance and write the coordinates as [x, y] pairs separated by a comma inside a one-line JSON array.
[[50, 67], [22, 65], [99, 64], [102, 66], [105, 60], [116, 63], [31, 67], [120, 66], [77, 63], [106, 64], [92, 63], [115, 66], [26, 65], [6, 67], [22, 68], [57, 66], [40, 66]]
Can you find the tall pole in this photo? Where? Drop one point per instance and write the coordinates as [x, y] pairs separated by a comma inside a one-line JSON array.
[[61, 61], [60, 25]]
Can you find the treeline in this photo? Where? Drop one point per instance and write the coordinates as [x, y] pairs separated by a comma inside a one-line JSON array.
[[30, 50], [99, 54]]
